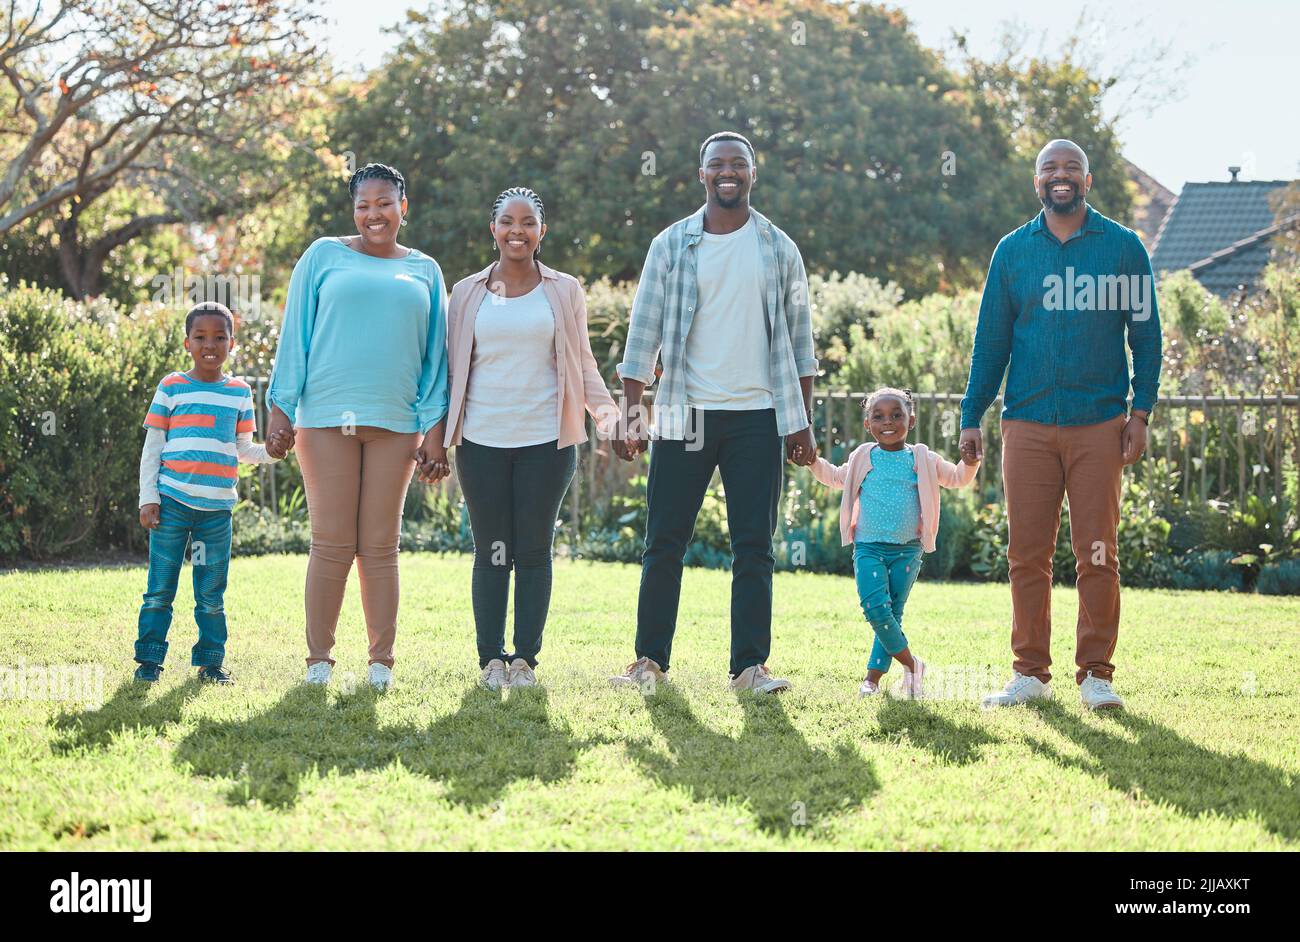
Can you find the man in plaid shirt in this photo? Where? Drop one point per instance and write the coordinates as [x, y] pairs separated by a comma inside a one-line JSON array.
[[723, 300]]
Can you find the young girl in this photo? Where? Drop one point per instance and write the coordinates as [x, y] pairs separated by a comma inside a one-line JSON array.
[[890, 513]]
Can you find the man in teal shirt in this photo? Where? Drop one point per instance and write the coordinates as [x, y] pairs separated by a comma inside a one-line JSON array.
[[1065, 293]]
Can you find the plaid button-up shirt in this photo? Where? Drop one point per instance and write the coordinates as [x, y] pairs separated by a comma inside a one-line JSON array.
[[665, 302]]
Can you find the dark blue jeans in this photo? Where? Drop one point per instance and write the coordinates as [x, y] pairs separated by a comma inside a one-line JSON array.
[[206, 534], [744, 447], [513, 496]]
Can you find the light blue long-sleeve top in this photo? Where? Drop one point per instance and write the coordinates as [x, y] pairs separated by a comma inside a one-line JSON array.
[[364, 341]]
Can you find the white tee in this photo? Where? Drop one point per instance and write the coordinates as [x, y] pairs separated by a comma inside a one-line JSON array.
[[512, 397], [727, 365]]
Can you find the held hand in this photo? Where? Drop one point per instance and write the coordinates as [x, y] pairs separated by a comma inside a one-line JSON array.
[[800, 448], [431, 460], [279, 428], [278, 444], [633, 436], [1134, 440], [971, 445], [150, 516]]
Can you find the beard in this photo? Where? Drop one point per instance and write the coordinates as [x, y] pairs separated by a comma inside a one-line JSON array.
[[1062, 209], [730, 202]]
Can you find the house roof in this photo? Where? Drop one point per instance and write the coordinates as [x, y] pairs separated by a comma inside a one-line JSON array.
[[1209, 217], [1151, 204], [1239, 264]]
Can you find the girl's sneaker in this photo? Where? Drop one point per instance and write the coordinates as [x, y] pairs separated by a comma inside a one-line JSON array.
[[215, 674], [319, 673], [911, 687], [149, 672], [868, 688]]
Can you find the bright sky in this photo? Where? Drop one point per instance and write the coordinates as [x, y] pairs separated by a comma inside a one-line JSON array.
[[1232, 105]]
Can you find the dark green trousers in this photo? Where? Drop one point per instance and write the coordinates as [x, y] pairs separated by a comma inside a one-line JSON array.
[[745, 448]]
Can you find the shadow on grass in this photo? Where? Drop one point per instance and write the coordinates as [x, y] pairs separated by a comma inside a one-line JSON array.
[[129, 708], [477, 751], [952, 743], [769, 767], [1170, 768]]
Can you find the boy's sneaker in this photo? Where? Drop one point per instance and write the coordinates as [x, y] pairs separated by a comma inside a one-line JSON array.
[[911, 686], [641, 673], [493, 675], [519, 674], [1097, 694], [760, 680], [319, 673], [149, 672], [868, 688], [1019, 689], [381, 676], [215, 674]]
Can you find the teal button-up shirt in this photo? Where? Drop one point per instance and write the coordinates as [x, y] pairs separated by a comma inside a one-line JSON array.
[[1055, 317]]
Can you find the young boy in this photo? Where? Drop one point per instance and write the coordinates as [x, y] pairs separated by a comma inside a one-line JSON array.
[[199, 426]]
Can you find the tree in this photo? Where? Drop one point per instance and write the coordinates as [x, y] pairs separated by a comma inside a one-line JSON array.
[[601, 108], [190, 101]]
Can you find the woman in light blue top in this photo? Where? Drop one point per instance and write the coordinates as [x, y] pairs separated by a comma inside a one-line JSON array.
[[360, 382]]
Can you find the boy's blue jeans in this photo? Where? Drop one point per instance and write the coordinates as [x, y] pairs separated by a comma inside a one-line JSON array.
[[885, 574], [207, 534]]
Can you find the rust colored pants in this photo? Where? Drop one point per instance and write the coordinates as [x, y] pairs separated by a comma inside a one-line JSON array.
[[1040, 465], [356, 486]]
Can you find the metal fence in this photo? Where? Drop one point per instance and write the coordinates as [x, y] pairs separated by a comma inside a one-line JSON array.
[[1221, 447]]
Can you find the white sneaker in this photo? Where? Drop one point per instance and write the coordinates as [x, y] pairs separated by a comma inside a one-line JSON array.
[[760, 680], [381, 677], [1097, 694], [493, 676], [911, 686], [519, 674], [868, 688], [1019, 689], [319, 673], [643, 673]]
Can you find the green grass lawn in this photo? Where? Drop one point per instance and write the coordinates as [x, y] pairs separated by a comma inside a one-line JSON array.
[[1205, 757]]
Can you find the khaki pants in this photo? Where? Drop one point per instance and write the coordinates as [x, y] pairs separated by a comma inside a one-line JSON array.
[[356, 486], [1040, 464]]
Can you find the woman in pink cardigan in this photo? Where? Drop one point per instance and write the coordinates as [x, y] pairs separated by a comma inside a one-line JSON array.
[[890, 515], [522, 378]]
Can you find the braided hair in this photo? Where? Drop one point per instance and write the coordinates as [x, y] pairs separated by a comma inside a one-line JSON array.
[[902, 395], [521, 192], [377, 172]]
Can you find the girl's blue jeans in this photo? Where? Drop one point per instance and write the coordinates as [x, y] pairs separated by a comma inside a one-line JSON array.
[[206, 533], [885, 574]]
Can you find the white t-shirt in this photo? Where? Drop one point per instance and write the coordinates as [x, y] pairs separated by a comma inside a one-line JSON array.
[[511, 399], [727, 365]]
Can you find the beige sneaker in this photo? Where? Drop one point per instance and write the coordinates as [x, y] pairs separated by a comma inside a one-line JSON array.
[[493, 676], [642, 673], [760, 680], [519, 674]]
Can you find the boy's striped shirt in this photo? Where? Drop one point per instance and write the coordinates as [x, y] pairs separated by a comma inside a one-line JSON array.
[[201, 421]]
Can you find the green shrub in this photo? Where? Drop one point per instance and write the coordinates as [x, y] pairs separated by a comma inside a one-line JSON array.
[[75, 384], [1280, 578]]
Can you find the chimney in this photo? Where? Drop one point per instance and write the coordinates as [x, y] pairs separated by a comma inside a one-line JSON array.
[[1234, 171]]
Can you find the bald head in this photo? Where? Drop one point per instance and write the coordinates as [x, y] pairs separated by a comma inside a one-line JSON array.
[[1060, 151]]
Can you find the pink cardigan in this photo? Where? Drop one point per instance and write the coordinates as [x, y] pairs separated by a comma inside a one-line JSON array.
[[579, 380], [932, 472]]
